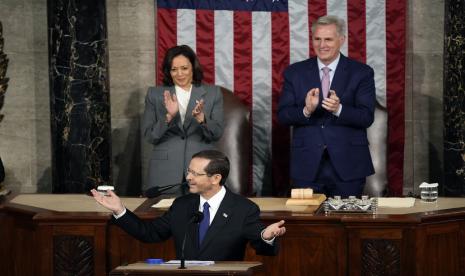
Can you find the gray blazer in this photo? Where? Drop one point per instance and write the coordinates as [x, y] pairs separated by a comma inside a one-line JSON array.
[[175, 143]]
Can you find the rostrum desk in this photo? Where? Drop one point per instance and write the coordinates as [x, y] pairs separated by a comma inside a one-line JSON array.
[[217, 269], [428, 239]]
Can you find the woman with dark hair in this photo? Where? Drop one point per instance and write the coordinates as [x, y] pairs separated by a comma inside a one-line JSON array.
[[181, 118]]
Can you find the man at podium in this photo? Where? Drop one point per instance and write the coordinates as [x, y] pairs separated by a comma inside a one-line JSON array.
[[210, 223]]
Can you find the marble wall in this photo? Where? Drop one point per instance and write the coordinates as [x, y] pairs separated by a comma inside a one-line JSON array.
[[424, 93], [131, 44], [454, 98], [25, 130], [79, 95]]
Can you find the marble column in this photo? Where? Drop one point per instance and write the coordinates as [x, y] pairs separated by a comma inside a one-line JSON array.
[[79, 95], [454, 98]]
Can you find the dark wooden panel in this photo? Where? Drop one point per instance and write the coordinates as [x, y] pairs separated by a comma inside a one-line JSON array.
[[73, 255], [380, 250], [124, 249], [307, 250], [380, 257], [430, 243], [20, 244], [441, 249]]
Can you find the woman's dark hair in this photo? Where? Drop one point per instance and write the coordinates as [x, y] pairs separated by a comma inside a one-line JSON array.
[[219, 163], [181, 50]]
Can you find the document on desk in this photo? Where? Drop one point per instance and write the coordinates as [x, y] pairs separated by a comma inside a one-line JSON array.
[[164, 203], [396, 202], [189, 262]]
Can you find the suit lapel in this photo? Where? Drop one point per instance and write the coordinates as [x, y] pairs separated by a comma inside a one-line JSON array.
[[314, 77], [223, 215], [197, 94], [173, 92], [340, 77]]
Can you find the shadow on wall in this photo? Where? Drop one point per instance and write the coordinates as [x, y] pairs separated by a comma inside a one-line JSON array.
[[428, 126], [44, 183], [126, 143], [426, 143], [376, 185]]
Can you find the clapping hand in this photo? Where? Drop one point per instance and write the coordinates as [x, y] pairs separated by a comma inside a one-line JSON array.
[[332, 102], [171, 105], [197, 112], [311, 101]]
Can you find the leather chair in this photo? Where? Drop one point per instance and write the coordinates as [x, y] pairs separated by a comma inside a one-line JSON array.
[[376, 185], [236, 143]]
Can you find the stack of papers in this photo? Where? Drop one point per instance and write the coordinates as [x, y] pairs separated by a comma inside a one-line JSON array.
[[190, 262], [164, 203], [396, 202]]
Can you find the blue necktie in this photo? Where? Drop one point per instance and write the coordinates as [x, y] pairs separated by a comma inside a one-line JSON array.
[[203, 227]]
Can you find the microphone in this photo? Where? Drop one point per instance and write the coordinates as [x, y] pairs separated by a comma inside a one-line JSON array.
[[196, 218], [158, 190]]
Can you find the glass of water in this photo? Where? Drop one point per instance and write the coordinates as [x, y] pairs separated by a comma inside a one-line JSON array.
[[429, 192]]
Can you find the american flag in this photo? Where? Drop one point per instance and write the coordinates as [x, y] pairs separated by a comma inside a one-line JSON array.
[[244, 45]]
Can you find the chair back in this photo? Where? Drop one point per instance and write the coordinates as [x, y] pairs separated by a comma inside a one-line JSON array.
[[236, 143]]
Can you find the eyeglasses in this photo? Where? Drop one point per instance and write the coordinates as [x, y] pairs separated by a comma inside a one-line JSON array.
[[196, 174]]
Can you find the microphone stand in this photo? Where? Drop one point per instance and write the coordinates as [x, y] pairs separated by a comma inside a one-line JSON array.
[[183, 258], [196, 217]]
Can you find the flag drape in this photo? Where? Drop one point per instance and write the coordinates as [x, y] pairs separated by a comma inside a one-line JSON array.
[[245, 45]]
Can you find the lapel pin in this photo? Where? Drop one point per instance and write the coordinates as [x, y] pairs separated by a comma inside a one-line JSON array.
[[225, 215]]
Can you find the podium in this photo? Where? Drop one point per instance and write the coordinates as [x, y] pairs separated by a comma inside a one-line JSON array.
[[74, 236], [219, 268]]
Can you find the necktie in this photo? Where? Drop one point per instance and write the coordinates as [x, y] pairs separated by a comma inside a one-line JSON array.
[[325, 81], [205, 222]]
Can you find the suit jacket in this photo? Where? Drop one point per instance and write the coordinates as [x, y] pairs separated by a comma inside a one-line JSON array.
[[344, 137], [236, 223], [175, 143]]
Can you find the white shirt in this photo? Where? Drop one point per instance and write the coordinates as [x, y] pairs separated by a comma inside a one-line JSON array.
[[183, 97], [332, 66], [214, 202]]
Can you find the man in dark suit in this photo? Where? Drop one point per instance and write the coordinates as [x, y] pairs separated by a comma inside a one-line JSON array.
[[230, 220], [329, 100]]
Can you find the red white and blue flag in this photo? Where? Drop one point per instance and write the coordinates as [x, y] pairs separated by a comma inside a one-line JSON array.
[[244, 46]]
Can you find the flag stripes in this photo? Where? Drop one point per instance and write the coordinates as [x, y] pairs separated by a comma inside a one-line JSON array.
[[244, 45]]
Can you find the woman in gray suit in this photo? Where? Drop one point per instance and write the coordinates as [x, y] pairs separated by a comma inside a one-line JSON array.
[[181, 118]]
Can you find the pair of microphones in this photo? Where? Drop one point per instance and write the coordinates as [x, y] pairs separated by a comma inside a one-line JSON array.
[[160, 190]]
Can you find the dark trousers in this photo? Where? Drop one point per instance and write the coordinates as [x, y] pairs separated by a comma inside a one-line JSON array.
[[328, 182]]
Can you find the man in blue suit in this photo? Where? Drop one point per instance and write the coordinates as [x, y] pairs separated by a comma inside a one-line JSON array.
[[329, 100]]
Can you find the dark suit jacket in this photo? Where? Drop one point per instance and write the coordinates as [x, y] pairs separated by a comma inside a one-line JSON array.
[[344, 137], [236, 223]]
